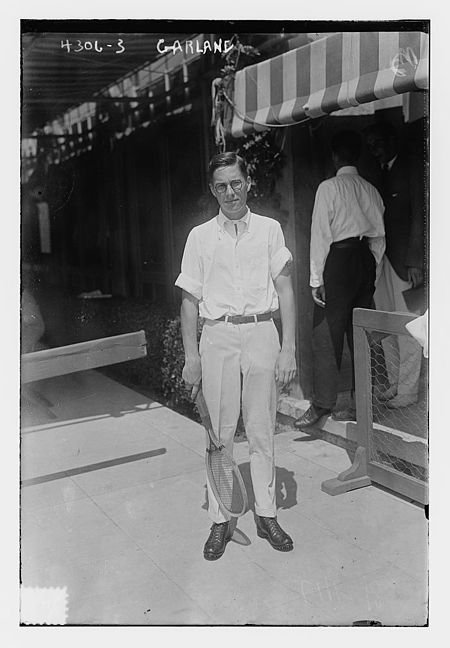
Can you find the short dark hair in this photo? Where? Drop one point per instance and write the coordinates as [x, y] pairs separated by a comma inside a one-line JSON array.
[[347, 146], [229, 158], [382, 129]]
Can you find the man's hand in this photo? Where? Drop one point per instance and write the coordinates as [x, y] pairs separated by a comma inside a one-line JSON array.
[[318, 295], [415, 276], [192, 375], [285, 368]]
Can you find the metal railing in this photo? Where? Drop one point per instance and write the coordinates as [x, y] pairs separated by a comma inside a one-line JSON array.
[[391, 408]]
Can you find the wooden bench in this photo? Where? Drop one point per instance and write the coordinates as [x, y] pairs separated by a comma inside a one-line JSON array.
[[58, 361]]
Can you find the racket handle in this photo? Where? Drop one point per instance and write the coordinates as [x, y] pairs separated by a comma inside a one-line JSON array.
[[206, 419], [202, 407]]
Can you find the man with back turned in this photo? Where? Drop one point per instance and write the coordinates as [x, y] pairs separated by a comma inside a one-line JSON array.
[[347, 244]]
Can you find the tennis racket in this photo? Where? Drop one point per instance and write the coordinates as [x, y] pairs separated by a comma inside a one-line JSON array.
[[223, 473]]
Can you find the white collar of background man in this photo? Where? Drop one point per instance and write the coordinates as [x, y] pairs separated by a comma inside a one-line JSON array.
[[349, 169]]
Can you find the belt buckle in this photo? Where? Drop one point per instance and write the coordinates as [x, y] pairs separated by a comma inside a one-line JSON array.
[[242, 319]]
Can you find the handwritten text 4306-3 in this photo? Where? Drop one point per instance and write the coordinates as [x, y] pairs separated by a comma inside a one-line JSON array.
[[94, 46]]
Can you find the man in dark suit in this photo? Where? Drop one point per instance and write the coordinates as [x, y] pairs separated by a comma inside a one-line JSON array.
[[401, 186]]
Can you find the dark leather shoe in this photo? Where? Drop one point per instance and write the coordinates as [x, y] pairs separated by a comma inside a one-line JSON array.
[[344, 415], [267, 527], [217, 541], [311, 416]]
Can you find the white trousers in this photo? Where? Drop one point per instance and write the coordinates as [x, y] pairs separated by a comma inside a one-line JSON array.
[[241, 359], [402, 353]]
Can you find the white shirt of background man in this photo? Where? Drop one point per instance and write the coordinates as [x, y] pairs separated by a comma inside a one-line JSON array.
[[345, 206]]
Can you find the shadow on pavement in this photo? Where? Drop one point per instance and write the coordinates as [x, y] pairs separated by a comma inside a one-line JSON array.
[[87, 395], [286, 488]]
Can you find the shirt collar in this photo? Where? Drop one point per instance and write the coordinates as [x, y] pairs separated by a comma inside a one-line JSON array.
[[222, 219], [352, 170]]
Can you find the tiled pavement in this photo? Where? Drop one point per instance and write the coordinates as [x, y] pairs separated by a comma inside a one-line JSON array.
[[113, 514]]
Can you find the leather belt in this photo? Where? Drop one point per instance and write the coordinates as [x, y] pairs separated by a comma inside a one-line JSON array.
[[352, 242], [245, 319]]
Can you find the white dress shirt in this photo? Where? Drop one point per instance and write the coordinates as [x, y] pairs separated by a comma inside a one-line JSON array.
[[230, 266], [345, 206]]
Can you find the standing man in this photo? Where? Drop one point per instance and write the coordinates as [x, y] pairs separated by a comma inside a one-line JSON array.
[[402, 190], [347, 243], [235, 273]]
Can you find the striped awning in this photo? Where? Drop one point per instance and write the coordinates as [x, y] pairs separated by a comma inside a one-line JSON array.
[[342, 70]]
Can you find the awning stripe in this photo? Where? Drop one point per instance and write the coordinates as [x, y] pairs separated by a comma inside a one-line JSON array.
[[421, 76], [276, 88], [290, 68], [343, 70], [333, 73], [389, 44], [350, 70], [368, 67], [262, 115], [302, 83], [240, 93], [408, 58], [318, 77], [251, 88]]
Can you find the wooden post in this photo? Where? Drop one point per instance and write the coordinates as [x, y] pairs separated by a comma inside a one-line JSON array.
[[305, 180], [133, 220], [291, 242], [167, 222], [357, 475], [118, 234], [206, 133]]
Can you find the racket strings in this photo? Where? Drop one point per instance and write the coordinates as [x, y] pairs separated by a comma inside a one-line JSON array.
[[222, 473], [227, 482]]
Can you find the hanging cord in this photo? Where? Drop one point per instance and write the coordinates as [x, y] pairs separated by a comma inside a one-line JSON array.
[[254, 121], [217, 113]]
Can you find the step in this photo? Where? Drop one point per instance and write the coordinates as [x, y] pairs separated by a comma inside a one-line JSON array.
[[402, 445]]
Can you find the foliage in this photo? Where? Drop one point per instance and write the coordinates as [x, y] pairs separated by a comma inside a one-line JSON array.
[[172, 366], [263, 150], [135, 315], [236, 57], [69, 320], [171, 369], [264, 161]]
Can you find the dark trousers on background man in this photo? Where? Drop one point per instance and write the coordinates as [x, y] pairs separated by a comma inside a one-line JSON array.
[[349, 281]]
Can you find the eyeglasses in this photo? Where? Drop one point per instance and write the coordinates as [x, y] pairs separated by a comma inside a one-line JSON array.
[[221, 187]]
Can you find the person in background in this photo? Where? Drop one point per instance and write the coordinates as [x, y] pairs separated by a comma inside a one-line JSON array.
[[402, 189], [347, 245], [235, 273]]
